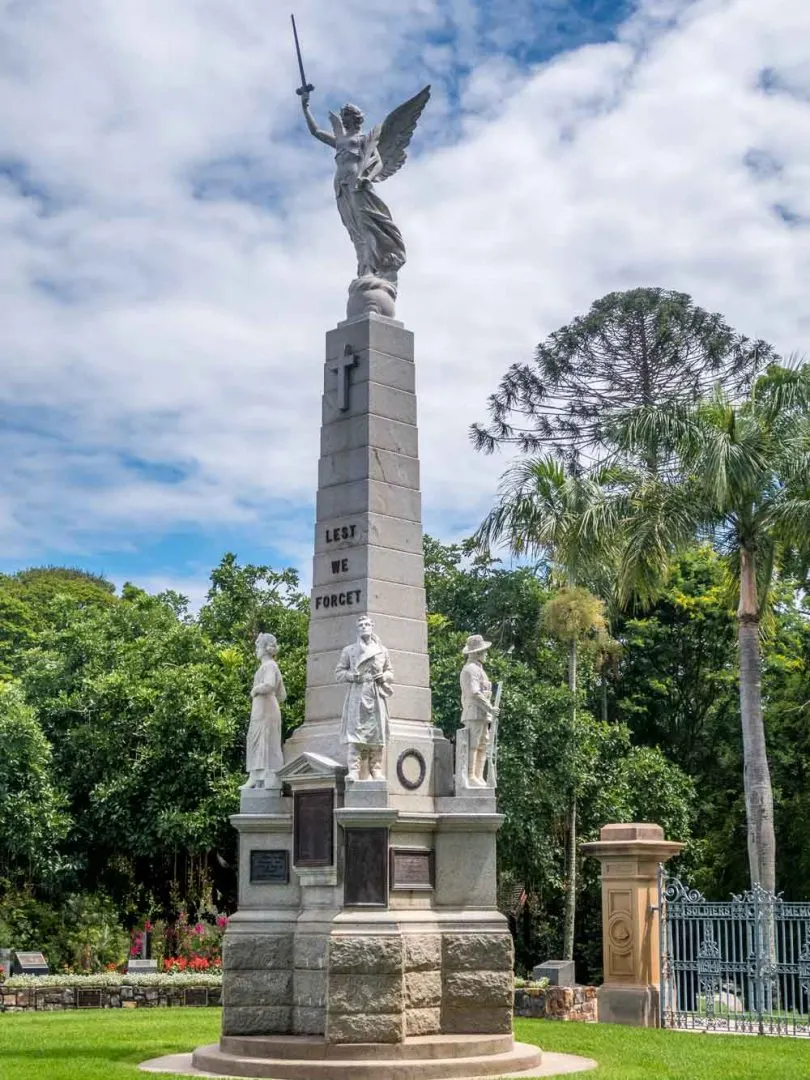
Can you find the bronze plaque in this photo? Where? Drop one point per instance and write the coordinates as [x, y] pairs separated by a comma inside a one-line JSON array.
[[270, 867], [88, 998], [411, 868], [366, 883], [196, 996], [313, 830]]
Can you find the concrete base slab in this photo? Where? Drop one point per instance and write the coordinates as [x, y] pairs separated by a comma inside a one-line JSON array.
[[550, 1065]]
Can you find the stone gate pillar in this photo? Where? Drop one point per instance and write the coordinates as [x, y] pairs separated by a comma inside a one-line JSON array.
[[630, 856]]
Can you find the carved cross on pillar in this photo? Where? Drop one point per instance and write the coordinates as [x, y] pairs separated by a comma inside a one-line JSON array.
[[342, 367]]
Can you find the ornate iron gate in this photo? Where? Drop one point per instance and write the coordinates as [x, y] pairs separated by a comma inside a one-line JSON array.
[[740, 965]]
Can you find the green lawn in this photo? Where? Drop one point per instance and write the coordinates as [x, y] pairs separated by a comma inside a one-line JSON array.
[[107, 1045], [639, 1054]]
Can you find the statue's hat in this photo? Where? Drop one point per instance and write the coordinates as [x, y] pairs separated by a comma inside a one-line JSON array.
[[475, 643]]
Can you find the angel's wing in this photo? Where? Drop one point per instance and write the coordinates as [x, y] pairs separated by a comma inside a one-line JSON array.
[[337, 123], [396, 131]]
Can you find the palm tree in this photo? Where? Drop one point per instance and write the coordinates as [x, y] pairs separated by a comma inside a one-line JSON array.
[[741, 472], [566, 519], [573, 616]]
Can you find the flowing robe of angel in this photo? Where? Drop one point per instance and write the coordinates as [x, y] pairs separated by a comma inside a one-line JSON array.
[[377, 241]]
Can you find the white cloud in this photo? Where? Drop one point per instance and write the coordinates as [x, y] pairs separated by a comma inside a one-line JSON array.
[[140, 322]]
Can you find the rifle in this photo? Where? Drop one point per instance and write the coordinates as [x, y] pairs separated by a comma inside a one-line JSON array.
[[492, 746]]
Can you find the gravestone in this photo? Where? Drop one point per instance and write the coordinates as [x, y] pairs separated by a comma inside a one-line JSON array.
[[29, 963], [141, 966], [558, 972]]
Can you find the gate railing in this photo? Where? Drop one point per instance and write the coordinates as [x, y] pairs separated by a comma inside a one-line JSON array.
[[737, 965]]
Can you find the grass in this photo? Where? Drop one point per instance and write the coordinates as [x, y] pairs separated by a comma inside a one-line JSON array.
[[640, 1054], [103, 1045], [109, 1044]]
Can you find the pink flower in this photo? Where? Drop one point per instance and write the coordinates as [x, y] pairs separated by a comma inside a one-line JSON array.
[[147, 926], [222, 921], [199, 929]]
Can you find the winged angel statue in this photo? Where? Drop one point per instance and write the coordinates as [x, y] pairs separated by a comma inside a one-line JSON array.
[[362, 160]]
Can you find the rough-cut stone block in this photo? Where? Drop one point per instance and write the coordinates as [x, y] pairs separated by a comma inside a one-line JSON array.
[[309, 989], [365, 1027], [423, 952], [365, 955], [310, 951], [369, 496], [479, 988], [257, 1020], [365, 994], [375, 332], [557, 1002], [372, 397], [344, 532], [472, 1021], [347, 466], [477, 952], [308, 1021], [256, 988], [423, 989], [373, 366], [370, 431], [423, 1021], [263, 951], [361, 594], [401, 567]]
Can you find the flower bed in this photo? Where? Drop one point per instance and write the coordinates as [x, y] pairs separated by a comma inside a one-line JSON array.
[[109, 990]]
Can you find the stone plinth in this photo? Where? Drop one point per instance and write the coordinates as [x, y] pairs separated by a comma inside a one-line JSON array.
[[630, 856]]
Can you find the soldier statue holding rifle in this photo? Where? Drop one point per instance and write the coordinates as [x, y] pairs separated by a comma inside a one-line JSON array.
[[479, 716]]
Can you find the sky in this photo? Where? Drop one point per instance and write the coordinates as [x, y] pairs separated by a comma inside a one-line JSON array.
[[172, 256]]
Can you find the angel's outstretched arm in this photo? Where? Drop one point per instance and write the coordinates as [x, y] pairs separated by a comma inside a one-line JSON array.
[[324, 136]]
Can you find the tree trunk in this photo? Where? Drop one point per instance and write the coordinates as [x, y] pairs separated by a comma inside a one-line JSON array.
[[569, 917], [756, 775]]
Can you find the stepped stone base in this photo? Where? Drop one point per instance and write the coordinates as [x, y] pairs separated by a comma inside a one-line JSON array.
[[417, 1068], [431, 1057]]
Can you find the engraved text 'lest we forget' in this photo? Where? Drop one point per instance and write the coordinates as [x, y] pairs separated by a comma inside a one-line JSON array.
[[350, 598]]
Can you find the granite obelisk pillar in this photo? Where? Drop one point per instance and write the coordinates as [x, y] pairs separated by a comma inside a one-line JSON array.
[[368, 538]]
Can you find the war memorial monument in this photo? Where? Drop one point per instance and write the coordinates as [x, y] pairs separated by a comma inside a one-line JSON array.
[[367, 941]]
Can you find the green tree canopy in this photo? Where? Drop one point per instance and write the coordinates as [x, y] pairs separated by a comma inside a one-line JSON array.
[[32, 813], [645, 347]]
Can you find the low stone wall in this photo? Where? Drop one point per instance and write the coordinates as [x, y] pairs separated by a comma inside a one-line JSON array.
[[548, 1003], [53, 998], [556, 1002]]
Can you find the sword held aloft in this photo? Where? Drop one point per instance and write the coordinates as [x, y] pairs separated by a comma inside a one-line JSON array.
[[305, 87]]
